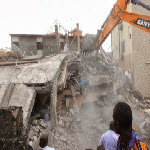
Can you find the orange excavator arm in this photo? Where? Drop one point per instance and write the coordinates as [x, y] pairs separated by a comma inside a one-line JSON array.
[[119, 13]]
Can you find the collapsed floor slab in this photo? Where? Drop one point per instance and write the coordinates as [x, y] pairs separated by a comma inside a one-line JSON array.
[[20, 84], [24, 97], [40, 73]]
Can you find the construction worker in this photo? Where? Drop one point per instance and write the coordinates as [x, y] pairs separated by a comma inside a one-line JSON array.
[[83, 85], [109, 139], [128, 140], [44, 142]]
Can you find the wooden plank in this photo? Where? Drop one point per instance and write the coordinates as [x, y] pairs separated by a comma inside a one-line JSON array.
[[17, 63]]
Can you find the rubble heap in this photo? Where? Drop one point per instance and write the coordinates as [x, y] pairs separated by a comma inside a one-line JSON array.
[[12, 124], [95, 70], [75, 130], [64, 94]]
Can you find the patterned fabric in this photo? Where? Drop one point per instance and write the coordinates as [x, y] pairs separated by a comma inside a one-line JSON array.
[[135, 143]]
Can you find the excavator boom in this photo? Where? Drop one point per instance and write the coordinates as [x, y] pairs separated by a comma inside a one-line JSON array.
[[119, 13]]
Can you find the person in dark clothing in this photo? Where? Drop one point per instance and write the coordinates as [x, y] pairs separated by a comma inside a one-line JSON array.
[[128, 140]]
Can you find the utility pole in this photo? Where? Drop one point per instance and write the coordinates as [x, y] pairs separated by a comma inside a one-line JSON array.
[[78, 38], [67, 39], [57, 37]]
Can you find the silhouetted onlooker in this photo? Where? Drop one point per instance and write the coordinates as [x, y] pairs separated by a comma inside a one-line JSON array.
[[122, 116]]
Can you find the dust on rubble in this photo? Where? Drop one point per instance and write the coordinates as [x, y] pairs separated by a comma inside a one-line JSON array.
[[82, 126], [85, 106]]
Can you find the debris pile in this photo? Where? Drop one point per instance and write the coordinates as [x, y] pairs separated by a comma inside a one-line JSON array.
[[76, 130], [78, 95], [12, 124], [36, 128], [108, 85], [95, 70]]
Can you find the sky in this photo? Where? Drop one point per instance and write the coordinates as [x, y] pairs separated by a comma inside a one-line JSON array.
[[37, 16]]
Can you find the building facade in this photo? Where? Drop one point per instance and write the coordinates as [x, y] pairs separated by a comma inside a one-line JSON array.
[[131, 49], [30, 43]]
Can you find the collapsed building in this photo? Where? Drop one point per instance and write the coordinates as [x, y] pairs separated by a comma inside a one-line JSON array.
[[34, 92], [61, 94], [25, 85], [30, 85], [52, 43], [35, 95]]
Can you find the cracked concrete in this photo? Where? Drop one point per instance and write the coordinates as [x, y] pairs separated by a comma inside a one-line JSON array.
[[24, 97], [42, 72]]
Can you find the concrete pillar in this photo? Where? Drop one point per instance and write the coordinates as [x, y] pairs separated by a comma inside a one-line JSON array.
[[67, 39], [78, 38], [57, 38]]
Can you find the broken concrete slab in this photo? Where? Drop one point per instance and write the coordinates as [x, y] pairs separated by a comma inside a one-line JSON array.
[[6, 91], [98, 79], [24, 97], [7, 95], [40, 73], [63, 77], [8, 74], [2, 93]]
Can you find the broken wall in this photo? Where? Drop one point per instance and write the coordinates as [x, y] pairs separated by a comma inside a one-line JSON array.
[[122, 44], [27, 45], [130, 47], [23, 96], [141, 53], [11, 133], [49, 45]]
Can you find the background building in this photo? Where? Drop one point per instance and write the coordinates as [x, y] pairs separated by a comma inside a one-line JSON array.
[[131, 49], [49, 43]]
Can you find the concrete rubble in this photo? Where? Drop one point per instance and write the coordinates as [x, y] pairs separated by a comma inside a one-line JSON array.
[[76, 130], [11, 126], [62, 95], [20, 85]]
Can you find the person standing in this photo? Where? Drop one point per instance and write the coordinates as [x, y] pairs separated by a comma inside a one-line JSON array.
[[109, 139], [128, 140], [44, 143]]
